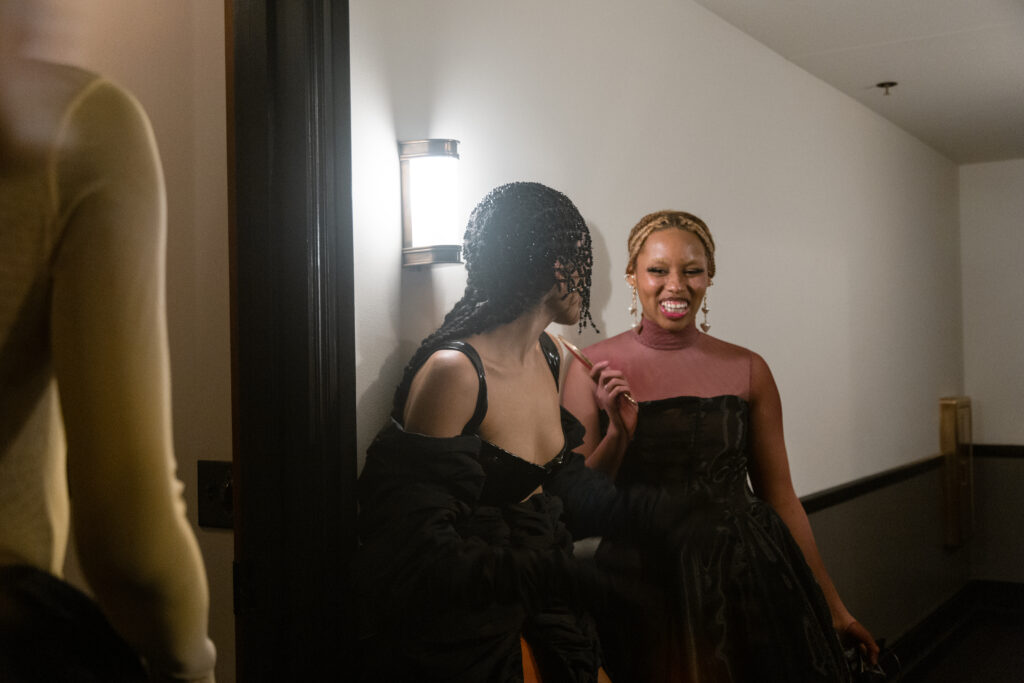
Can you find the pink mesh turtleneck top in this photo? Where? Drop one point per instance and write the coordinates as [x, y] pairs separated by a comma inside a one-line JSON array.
[[662, 364]]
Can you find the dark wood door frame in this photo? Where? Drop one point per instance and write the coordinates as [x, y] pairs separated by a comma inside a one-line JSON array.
[[293, 358]]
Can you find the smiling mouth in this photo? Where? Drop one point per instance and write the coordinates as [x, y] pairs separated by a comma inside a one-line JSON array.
[[674, 308]]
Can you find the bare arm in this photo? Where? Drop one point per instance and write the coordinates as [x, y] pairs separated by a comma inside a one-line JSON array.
[[771, 479], [586, 394]]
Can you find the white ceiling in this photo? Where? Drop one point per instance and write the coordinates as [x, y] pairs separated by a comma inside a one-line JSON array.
[[959, 63]]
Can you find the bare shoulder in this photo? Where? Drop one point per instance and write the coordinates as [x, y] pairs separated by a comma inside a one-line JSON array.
[[446, 374], [443, 394]]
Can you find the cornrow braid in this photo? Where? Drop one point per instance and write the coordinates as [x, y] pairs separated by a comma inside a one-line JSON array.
[[660, 220], [521, 239]]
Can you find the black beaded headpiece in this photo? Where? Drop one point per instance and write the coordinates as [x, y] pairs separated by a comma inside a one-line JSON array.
[[521, 239]]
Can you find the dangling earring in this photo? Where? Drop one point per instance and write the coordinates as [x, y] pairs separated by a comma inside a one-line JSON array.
[[705, 325], [634, 309]]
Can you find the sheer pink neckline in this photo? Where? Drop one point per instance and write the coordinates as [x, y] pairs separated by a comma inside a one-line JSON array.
[[656, 337]]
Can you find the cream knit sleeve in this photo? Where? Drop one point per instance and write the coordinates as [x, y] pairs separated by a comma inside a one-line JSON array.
[[110, 358]]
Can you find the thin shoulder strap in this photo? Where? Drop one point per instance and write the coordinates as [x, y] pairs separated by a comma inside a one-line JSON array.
[[473, 426], [551, 355]]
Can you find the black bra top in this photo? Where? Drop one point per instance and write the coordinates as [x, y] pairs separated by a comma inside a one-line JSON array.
[[509, 478]]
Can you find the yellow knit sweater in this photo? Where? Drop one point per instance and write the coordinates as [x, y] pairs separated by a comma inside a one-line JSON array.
[[85, 425]]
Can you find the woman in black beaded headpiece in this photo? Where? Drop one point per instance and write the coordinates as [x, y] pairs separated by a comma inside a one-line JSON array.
[[466, 568], [522, 239]]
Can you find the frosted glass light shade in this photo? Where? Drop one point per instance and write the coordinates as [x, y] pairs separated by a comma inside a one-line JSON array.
[[432, 232]]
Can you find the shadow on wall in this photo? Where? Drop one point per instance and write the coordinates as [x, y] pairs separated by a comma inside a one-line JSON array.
[[424, 296], [373, 406]]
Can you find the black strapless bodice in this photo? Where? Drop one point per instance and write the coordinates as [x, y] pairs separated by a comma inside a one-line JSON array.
[[740, 602], [694, 447]]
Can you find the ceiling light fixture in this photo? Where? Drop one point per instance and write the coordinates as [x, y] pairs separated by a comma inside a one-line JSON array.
[[885, 85]]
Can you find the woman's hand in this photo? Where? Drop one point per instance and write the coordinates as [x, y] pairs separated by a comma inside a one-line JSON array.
[[854, 632], [610, 390]]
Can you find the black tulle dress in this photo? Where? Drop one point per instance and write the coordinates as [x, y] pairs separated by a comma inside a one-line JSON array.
[[740, 603], [455, 566]]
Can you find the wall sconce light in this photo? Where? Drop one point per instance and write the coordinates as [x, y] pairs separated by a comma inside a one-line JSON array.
[[431, 231]]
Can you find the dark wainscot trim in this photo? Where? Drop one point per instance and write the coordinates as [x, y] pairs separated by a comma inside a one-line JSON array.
[[992, 451], [859, 487]]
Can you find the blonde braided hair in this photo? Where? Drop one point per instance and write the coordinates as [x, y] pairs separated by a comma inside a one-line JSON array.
[[661, 220]]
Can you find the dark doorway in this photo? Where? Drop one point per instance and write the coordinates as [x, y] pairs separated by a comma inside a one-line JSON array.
[[292, 336]]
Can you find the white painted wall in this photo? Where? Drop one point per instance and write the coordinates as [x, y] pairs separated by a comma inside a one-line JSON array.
[[838, 244], [171, 56], [992, 236]]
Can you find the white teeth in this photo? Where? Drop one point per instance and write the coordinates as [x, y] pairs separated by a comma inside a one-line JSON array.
[[675, 306]]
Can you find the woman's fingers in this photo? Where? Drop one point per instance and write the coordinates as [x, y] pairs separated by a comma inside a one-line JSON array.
[[612, 393], [616, 386], [612, 385], [603, 375], [599, 369], [856, 631]]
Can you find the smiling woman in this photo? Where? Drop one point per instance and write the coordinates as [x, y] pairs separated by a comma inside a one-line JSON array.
[[747, 597]]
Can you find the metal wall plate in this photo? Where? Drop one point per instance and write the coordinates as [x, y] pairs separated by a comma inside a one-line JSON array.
[[215, 494]]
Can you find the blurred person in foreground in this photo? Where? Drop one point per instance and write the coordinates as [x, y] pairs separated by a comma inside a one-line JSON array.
[[85, 422]]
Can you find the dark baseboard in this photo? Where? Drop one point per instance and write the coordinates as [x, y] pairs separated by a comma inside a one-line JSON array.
[[942, 626], [993, 451]]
